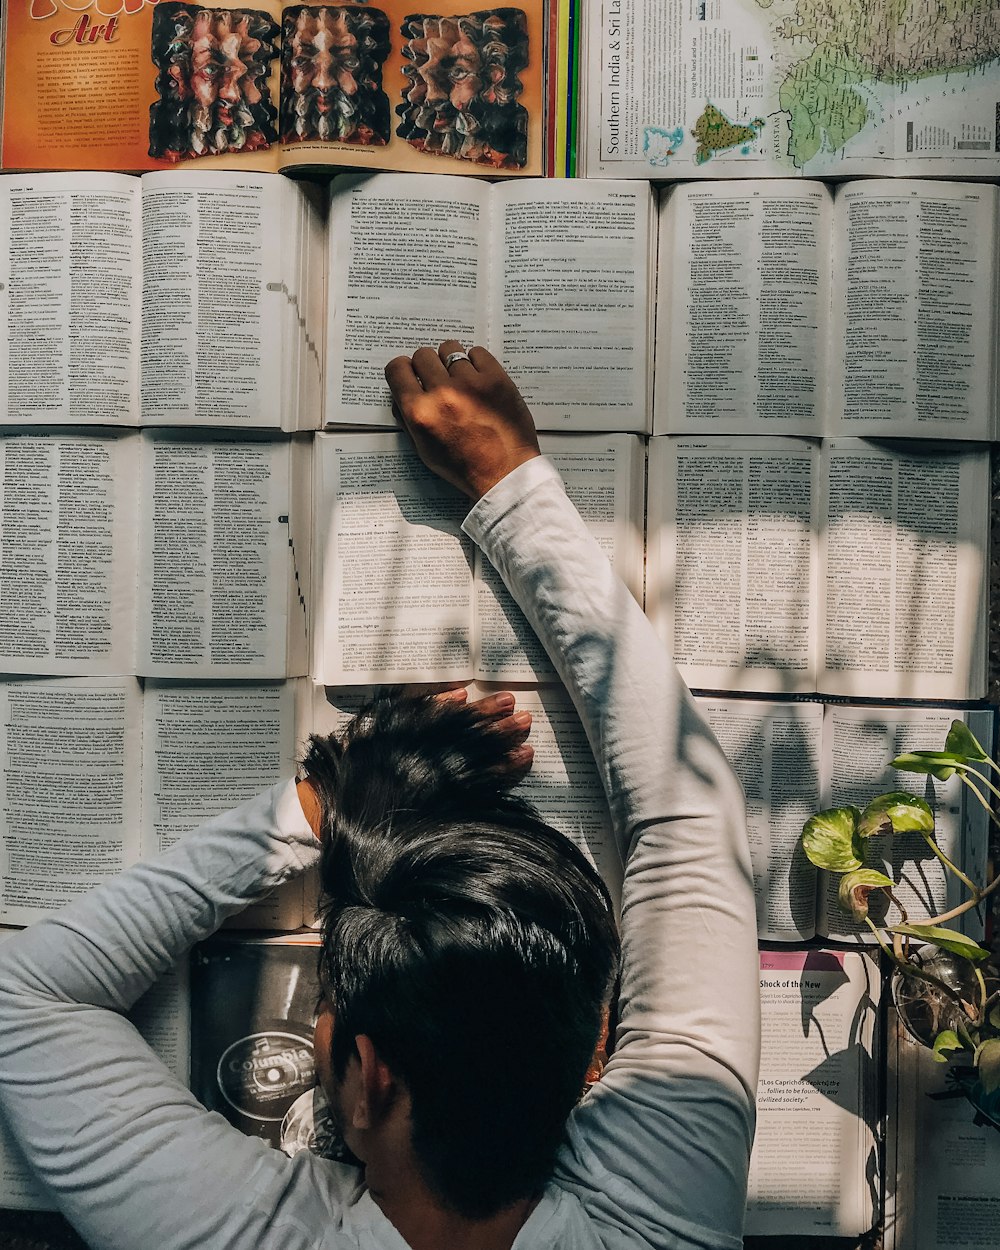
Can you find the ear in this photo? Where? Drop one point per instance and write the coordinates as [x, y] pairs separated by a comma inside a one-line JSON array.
[[378, 1086]]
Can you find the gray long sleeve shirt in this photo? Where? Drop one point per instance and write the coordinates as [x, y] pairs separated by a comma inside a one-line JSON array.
[[655, 1156]]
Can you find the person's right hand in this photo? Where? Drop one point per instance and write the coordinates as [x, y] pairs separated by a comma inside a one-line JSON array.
[[469, 423]]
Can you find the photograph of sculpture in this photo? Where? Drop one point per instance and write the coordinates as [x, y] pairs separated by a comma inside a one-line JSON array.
[[464, 82], [212, 83], [331, 74]]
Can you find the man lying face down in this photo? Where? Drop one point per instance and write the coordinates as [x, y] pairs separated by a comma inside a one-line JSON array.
[[468, 955]]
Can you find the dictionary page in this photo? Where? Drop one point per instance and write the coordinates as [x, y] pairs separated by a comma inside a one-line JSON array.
[[914, 306], [571, 301], [774, 749], [814, 1166], [212, 299], [859, 743], [207, 748], [903, 571], [68, 552], [743, 308], [216, 561], [69, 789], [408, 266], [70, 293], [163, 1017], [731, 560], [603, 476], [394, 592]]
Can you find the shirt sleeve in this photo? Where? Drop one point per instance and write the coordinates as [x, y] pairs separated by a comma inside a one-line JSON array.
[[125, 1150], [660, 1147]]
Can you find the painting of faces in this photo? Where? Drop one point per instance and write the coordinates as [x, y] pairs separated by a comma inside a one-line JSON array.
[[463, 75], [212, 82], [331, 74]]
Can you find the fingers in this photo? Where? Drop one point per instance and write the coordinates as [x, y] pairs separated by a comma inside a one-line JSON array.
[[429, 368], [459, 367]]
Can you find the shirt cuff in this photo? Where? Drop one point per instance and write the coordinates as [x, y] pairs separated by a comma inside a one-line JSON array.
[[507, 494]]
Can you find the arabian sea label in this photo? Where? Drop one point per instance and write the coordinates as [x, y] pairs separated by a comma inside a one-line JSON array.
[[262, 1075]]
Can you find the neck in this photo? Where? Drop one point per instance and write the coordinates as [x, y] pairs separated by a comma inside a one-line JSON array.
[[424, 1224]]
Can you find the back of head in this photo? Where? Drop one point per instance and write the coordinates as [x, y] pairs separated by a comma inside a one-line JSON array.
[[469, 940]]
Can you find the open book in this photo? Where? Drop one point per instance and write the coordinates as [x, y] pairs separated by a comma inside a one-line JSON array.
[[788, 308], [795, 759], [187, 298], [853, 568], [162, 553], [814, 1170], [553, 277], [677, 90], [453, 87], [400, 593]]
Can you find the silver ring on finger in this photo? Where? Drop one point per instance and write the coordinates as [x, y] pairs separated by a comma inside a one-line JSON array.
[[450, 359]]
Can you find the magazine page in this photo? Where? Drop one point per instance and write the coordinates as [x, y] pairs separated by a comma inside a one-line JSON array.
[[140, 85], [603, 478], [408, 266], [70, 290], [68, 552], [859, 743], [731, 561], [743, 308], [814, 1166], [914, 307], [455, 88], [213, 299], [676, 90], [571, 307], [215, 560], [69, 789], [394, 592], [775, 750], [903, 570]]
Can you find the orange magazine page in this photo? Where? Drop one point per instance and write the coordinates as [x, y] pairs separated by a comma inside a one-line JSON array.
[[446, 87], [136, 84], [450, 86]]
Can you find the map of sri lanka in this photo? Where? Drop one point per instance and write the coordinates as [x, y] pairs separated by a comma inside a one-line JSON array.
[[714, 132], [889, 41]]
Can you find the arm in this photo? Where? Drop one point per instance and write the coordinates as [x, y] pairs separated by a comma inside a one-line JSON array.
[[662, 1144]]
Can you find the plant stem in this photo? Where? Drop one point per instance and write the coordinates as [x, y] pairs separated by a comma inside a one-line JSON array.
[[886, 950], [971, 885]]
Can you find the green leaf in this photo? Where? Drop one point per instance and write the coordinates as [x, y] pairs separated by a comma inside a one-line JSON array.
[[962, 741], [898, 811], [989, 1064], [946, 1040], [830, 839], [947, 939], [994, 1017], [855, 888], [940, 764]]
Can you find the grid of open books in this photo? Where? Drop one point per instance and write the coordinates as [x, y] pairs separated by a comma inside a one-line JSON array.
[[214, 539]]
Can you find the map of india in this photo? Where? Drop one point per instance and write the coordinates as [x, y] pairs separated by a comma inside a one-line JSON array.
[[849, 45]]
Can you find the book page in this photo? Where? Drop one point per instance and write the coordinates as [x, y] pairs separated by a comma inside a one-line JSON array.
[[207, 748], [816, 1117], [731, 560], [600, 474], [914, 307], [163, 1017], [774, 749], [212, 299], [214, 569], [70, 287], [394, 584], [571, 312], [904, 568], [943, 1173], [69, 790], [408, 267], [743, 308], [860, 742], [68, 552]]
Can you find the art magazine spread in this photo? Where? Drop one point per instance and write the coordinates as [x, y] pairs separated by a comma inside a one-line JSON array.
[[136, 85]]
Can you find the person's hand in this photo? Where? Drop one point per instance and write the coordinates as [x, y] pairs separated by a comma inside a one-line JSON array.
[[468, 422]]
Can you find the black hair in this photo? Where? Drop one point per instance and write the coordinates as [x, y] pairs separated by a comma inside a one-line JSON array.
[[472, 942]]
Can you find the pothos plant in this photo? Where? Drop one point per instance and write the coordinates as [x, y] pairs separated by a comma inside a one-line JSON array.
[[945, 991]]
